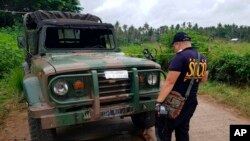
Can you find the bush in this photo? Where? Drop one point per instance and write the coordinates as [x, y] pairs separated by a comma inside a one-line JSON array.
[[198, 40], [11, 74], [11, 85], [10, 92], [230, 62], [10, 56], [231, 68], [162, 54]]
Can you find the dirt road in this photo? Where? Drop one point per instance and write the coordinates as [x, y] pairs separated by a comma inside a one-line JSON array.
[[210, 122]]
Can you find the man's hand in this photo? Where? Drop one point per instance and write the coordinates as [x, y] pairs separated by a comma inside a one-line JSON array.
[[160, 110], [157, 109]]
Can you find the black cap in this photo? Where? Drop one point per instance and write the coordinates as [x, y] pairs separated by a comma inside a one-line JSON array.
[[180, 37]]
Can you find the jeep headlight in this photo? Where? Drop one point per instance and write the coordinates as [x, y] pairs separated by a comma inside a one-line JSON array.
[[61, 87], [152, 79]]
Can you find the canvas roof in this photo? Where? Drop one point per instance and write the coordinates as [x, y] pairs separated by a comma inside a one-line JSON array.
[[36, 19]]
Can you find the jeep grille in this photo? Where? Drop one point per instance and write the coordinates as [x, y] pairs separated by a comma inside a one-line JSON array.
[[113, 87]]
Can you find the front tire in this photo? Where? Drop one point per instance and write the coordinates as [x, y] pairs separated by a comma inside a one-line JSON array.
[[144, 120], [39, 134]]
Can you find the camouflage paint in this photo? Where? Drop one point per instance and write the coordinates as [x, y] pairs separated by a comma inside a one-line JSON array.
[[61, 63], [135, 88], [96, 104], [58, 119], [32, 90], [84, 61], [69, 63]]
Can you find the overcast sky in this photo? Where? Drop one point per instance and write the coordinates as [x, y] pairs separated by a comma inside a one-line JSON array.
[[167, 12]]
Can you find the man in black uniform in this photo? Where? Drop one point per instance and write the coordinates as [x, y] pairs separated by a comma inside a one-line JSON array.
[[181, 71]]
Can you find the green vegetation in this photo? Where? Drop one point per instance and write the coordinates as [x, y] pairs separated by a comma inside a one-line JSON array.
[[222, 46], [11, 56], [230, 62], [11, 11], [10, 92], [11, 74], [237, 97], [137, 49], [127, 35], [163, 54]]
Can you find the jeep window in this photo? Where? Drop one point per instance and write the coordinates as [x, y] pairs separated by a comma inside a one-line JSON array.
[[79, 38]]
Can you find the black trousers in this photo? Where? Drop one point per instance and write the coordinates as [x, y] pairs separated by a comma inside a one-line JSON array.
[[165, 127]]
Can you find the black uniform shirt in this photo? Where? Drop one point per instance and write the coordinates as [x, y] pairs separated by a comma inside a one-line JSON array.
[[185, 62]]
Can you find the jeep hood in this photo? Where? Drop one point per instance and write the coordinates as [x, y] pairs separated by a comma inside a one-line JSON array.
[[69, 62]]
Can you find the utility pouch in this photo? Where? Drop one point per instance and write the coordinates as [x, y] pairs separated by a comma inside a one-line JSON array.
[[174, 104]]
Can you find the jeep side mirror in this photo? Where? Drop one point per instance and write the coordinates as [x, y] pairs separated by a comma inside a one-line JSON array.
[[20, 42], [150, 54]]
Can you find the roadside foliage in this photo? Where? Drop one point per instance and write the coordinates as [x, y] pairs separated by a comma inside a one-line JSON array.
[[11, 56], [228, 62], [11, 74]]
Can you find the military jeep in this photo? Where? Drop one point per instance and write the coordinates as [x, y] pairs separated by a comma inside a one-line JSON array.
[[75, 73]]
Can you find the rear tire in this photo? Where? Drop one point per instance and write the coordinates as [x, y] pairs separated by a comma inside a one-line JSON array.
[[39, 134]]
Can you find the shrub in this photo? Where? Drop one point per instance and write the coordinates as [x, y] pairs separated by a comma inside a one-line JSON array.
[[10, 92], [10, 56], [232, 68], [198, 40]]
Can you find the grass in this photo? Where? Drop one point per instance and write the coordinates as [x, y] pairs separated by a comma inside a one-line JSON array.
[[237, 97], [221, 46], [137, 49], [10, 92]]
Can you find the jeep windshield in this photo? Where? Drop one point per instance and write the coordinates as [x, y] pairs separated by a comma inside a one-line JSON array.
[[80, 38]]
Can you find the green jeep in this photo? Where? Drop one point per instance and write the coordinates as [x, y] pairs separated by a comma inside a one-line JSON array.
[[74, 73]]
